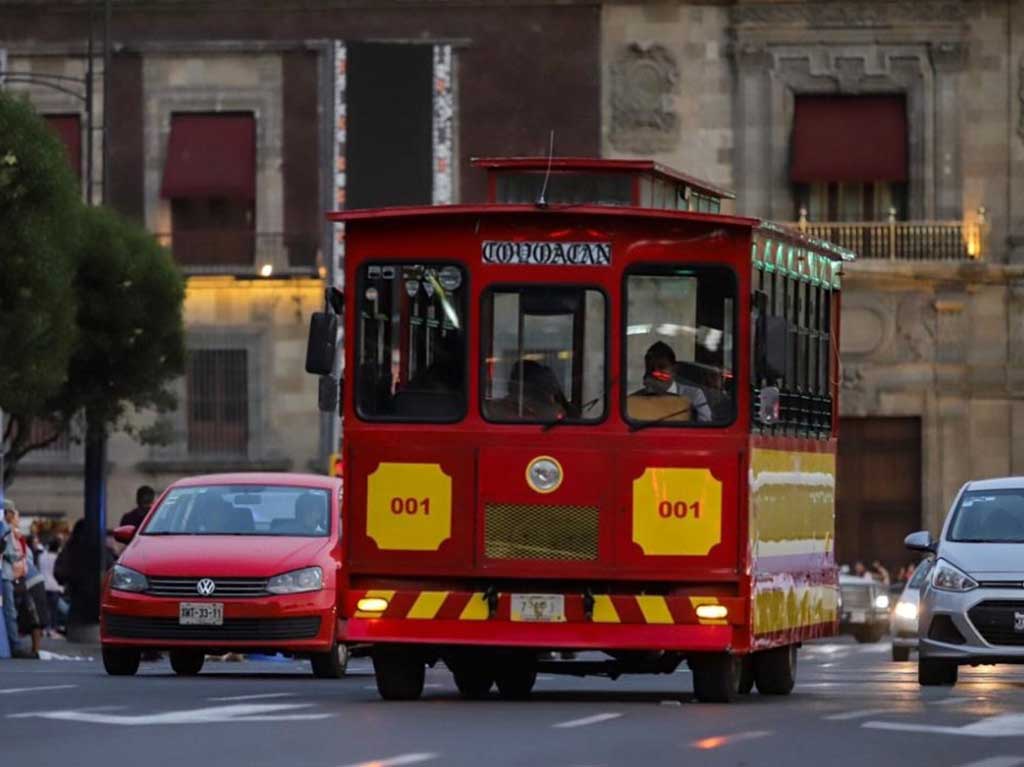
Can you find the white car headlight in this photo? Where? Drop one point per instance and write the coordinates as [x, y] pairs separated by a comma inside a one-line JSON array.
[[906, 610], [125, 579], [297, 581], [882, 602], [949, 578]]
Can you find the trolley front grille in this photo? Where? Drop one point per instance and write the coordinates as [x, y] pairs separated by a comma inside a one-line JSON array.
[[555, 533]]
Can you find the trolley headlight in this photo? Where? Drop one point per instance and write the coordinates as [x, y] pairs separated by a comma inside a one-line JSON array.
[[297, 581], [946, 577], [125, 579], [544, 474], [882, 602]]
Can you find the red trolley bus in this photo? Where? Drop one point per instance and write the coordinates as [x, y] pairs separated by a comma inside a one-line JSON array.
[[594, 414]]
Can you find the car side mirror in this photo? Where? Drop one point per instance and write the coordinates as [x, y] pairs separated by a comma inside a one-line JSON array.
[[124, 533], [920, 541], [323, 339]]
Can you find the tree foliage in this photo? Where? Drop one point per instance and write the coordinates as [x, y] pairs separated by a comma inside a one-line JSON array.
[[39, 208], [90, 304]]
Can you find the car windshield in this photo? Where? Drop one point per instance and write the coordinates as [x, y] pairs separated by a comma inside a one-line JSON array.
[[278, 510], [989, 516]]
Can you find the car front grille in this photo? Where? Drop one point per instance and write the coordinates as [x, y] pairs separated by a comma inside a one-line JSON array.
[[226, 588], [233, 630], [856, 597], [528, 531], [995, 620]]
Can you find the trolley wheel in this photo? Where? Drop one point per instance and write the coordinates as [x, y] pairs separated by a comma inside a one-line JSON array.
[[400, 672], [121, 661], [934, 672], [775, 670], [187, 662], [900, 653], [869, 634], [716, 677], [331, 664], [746, 674], [516, 677]]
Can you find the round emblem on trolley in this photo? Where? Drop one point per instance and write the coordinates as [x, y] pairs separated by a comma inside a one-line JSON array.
[[206, 587], [544, 474]]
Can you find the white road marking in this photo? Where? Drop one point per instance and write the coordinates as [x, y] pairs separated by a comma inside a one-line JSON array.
[[1005, 725], [14, 690], [997, 761], [242, 712], [847, 715], [586, 721], [395, 761], [256, 696]]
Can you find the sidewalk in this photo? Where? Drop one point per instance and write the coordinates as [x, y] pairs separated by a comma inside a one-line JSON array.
[[60, 648]]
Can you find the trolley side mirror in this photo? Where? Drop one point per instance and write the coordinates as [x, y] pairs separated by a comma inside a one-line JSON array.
[[768, 405], [320, 348]]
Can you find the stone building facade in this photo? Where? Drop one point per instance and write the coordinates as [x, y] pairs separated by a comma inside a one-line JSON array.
[[932, 346]]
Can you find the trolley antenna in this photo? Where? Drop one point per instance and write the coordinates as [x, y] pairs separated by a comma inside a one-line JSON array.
[[541, 198]]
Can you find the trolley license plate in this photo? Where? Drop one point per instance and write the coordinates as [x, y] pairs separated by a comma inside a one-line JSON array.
[[540, 608], [858, 616], [201, 613]]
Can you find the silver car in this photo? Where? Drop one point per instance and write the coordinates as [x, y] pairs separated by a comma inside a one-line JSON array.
[[972, 606], [903, 619]]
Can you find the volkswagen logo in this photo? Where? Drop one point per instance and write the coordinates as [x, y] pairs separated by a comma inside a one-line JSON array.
[[206, 587]]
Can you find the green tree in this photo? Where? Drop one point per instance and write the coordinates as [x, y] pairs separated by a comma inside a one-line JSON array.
[[131, 335], [39, 215]]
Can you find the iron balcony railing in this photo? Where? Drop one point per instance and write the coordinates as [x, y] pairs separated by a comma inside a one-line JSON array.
[[904, 240], [242, 251]]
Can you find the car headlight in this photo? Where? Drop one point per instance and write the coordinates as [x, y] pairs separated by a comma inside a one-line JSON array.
[[125, 579], [906, 610], [949, 578], [882, 602], [297, 581]]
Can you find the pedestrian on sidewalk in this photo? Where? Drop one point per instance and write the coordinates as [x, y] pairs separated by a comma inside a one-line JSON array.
[[5, 642], [47, 560], [29, 589], [12, 568], [144, 498]]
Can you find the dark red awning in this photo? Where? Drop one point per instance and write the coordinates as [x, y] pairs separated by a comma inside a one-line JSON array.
[[69, 129], [849, 139], [211, 156]]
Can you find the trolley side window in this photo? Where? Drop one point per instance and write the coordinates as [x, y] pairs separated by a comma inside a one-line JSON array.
[[543, 354], [411, 344], [680, 346]]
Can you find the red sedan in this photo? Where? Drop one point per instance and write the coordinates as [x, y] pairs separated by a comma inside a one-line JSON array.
[[229, 563]]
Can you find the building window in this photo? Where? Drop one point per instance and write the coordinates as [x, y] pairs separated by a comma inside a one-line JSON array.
[[218, 401], [210, 181], [849, 157]]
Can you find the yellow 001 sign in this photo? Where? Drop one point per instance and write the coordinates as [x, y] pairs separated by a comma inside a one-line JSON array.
[[409, 506], [677, 512]]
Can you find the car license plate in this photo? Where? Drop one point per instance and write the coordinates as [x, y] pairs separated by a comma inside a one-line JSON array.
[[858, 616], [201, 613], [541, 608]]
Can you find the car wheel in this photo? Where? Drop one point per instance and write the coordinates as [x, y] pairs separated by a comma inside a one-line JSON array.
[[331, 664], [934, 672], [900, 654], [775, 670], [516, 677], [187, 662], [716, 677], [121, 661], [400, 672]]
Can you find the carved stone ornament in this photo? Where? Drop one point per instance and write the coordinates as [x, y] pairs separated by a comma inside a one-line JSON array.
[[849, 14], [645, 79]]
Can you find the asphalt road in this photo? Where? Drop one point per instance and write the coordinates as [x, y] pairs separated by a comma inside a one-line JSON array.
[[852, 706]]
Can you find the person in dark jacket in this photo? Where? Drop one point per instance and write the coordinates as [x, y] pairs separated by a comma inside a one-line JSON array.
[[144, 498]]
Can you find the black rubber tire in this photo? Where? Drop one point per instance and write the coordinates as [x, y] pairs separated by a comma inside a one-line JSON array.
[[332, 664], [121, 661], [716, 677], [474, 677], [868, 635], [775, 670], [516, 677], [400, 673], [935, 672], [746, 675], [187, 662], [900, 654]]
